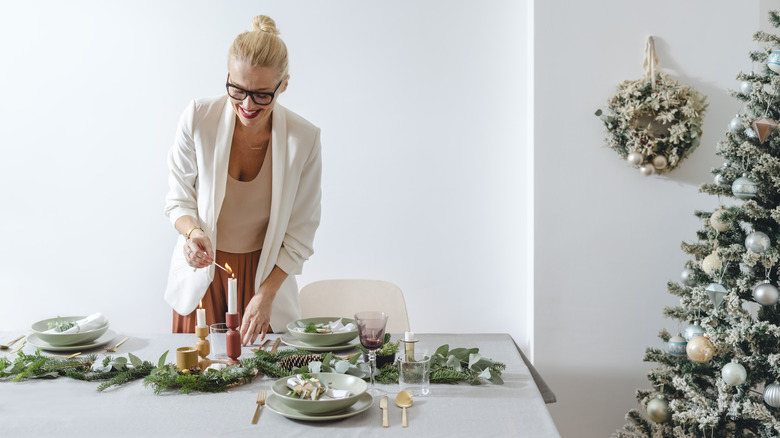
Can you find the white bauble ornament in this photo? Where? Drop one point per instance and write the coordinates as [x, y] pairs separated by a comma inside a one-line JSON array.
[[658, 410], [757, 242], [635, 159], [766, 294], [659, 162], [750, 133], [773, 61], [746, 87], [716, 220], [711, 264], [646, 169], [772, 395], [734, 373], [736, 125], [716, 292], [693, 330], [677, 345], [700, 349], [744, 188], [686, 276]]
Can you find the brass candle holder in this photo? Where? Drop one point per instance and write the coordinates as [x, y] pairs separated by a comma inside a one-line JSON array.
[[409, 340]]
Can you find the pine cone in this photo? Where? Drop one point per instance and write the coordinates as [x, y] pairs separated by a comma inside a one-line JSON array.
[[298, 361]]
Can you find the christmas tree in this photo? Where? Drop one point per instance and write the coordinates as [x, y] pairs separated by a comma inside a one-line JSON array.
[[720, 378]]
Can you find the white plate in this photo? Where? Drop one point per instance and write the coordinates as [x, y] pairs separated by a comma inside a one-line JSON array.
[[364, 402], [33, 339], [292, 341]]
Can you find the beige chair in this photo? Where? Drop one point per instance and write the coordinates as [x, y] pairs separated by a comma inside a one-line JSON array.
[[344, 298]]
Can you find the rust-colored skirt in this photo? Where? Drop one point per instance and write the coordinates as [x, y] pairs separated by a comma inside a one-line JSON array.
[[215, 300]]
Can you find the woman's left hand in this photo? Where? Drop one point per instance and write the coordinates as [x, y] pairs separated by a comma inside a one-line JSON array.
[[256, 320]]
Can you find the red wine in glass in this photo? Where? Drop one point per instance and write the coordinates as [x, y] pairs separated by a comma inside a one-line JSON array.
[[371, 329], [371, 341]]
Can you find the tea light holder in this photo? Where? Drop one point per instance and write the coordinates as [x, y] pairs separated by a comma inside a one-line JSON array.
[[232, 338], [186, 358], [203, 346]]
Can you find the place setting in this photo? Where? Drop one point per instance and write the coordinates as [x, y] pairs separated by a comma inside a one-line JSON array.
[[321, 334], [71, 333]]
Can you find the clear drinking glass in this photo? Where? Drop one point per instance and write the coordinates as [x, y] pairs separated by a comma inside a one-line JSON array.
[[371, 329], [218, 341]]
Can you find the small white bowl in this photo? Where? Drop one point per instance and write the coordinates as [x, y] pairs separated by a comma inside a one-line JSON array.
[[65, 339]]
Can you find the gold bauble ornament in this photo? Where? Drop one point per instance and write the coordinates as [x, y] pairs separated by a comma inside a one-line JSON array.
[[658, 410], [700, 349]]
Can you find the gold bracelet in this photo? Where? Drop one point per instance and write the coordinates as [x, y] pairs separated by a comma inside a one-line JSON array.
[[193, 228]]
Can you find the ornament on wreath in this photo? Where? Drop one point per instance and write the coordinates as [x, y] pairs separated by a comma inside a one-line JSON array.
[[655, 123], [773, 61], [734, 373], [658, 410], [772, 395], [687, 276], [744, 187], [711, 264], [716, 292], [677, 346], [766, 294], [700, 349], [717, 222], [763, 127], [757, 242], [693, 330]]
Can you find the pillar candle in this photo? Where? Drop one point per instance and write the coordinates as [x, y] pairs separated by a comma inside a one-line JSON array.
[[232, 295], [201, 314]]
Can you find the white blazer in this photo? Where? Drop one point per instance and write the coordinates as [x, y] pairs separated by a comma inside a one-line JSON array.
[[198, 162]]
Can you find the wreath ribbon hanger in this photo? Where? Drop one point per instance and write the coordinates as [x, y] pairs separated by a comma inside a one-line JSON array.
[[651, 61]]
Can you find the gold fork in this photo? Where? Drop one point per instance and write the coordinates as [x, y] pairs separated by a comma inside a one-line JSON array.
[[260, 403], [5, 346], [113, 349]]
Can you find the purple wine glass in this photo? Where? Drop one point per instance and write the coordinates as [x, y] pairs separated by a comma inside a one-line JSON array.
[[371, 329]]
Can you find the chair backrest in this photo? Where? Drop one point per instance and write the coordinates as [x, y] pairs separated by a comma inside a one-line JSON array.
[[344, 298]]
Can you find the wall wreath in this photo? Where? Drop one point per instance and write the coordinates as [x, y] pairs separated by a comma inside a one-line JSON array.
[[654, 124]]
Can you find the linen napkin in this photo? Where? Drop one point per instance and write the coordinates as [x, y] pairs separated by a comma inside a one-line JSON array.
[[90, 322], [296, 380], [334, 326]]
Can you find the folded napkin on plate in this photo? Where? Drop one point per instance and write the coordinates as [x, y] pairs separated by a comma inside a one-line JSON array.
[[297, 380], [90, 322], [334, 326]]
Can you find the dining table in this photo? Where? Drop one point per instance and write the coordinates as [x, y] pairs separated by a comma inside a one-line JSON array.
[[66, 407]]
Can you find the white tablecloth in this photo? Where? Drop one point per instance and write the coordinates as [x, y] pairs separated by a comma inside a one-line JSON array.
[[70, 408]]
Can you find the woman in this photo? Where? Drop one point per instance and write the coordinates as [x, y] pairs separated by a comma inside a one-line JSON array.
[[245, 192]]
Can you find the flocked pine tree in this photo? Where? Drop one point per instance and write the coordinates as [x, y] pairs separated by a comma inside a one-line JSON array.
[[721, 378]]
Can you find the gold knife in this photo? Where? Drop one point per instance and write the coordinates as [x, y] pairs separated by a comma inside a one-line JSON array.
[[18, 347], [383, 407], [276, 345]]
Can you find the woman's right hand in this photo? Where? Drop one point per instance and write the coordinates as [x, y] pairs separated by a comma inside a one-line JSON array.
[[198, 251]]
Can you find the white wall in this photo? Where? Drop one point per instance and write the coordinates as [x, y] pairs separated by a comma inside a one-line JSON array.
[[422, 110], [607, 238]]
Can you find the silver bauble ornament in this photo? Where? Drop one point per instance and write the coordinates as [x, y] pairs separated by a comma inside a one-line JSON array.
[[749, 133], [646, 169], [677, 345], [686, 276], [660, 162], [736, 125], [700, 349], [766, 294], [716, 220], [720, 180], [658, 410], [711, 264], [773, 61], [772, 395], [734, 373], [744, 188], [693, 330], [635, 159], [716, 292], [746, 87], [757, 242]]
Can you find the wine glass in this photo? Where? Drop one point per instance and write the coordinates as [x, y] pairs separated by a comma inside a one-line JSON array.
[[371, 329]]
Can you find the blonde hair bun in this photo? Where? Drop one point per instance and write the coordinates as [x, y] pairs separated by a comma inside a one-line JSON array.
[[264, 23]]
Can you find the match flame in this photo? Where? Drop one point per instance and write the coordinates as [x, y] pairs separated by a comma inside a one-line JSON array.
[[230, 269]]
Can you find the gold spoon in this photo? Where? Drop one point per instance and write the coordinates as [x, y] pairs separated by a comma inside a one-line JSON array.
[[5, 346], [403, 400]]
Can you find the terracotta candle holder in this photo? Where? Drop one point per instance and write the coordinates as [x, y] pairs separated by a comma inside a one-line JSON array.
[[203, 346], [186, 358], [233, 338]]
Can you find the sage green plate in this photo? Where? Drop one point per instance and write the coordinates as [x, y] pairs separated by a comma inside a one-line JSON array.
[[290, 340], [322, 339], [355, 385], [364, 402], [67, 339]]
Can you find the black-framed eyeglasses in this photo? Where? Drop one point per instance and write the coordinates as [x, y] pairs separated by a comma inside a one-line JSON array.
[[259, 98]]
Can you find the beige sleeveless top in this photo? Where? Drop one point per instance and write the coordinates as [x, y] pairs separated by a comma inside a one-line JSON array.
[[243, 218]]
